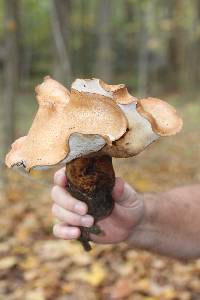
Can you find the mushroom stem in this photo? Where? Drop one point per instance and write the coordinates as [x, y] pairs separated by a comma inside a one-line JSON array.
[[91, 180]]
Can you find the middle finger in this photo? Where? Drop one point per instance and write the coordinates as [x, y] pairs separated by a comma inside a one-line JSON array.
[[71, 218]]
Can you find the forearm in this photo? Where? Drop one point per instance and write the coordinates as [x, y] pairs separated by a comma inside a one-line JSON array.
[[171, 225]]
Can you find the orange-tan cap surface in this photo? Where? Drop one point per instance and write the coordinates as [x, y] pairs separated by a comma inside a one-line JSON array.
[[162, 116], [61, 114], [89, 119]]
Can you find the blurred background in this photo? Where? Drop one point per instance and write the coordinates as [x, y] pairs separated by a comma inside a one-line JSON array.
[[154, 47]]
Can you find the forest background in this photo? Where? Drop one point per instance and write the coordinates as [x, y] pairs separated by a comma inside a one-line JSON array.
[[154, 47]]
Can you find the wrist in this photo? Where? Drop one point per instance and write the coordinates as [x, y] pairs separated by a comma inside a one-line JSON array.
[[140, 237]]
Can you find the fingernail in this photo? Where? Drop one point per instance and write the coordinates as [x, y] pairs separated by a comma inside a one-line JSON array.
[[87, 221], [72, 232], [80, 208]]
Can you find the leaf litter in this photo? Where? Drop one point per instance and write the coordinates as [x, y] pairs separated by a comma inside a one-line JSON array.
[[36, 266]]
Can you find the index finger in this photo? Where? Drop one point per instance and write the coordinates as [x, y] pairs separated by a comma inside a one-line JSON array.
[[60, 178]]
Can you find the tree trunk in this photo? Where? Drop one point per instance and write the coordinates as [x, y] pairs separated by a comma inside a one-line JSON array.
[[177, 47], [11, 70], [143, 35], [104, 66], [60, 25], [130, 49], [197, 49]]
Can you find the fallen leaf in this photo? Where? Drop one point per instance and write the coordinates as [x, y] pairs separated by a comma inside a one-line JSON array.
[[68, 287], [121, 289], [7, 262], [94, 276], [30, 262], [37, 294]]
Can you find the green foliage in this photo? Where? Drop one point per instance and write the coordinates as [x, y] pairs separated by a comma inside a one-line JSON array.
[[36, 32], [35, 23], [169, 31]]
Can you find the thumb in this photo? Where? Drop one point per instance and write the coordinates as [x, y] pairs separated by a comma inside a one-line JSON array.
[[123, 194]]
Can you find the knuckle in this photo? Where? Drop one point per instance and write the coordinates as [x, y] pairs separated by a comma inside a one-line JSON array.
[[68, 199], [54, 192], [54, 209], [69, 202], [74, 219], [55, 177], [59, 175], [73, 203]]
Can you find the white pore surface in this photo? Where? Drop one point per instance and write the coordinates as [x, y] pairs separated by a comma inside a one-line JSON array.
[[90, 86], [141, 133], [81, 145]]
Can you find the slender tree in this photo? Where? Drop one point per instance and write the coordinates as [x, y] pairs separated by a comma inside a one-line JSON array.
[[60, 25], [104, 66], [130, 41], [197, 45], [143, 35], [177, 46]]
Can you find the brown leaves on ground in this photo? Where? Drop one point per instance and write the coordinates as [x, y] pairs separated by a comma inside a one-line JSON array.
[[36, 266]]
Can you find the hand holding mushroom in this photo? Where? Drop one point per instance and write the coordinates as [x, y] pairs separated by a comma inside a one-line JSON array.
[[128, 212], [85, 128]]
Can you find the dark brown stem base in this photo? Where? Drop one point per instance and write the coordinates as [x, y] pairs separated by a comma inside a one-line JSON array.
[[91, 180]]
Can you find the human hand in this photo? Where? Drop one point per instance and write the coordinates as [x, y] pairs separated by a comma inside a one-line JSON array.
[[127, 213]]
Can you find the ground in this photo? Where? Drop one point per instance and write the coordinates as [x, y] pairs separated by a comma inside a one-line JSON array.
[[36, 266]]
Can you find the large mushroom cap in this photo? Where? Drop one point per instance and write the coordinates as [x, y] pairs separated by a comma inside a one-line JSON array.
[[93, 117], [61, 115]]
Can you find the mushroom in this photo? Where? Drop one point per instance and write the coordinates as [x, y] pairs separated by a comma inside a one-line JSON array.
[[84, 129]]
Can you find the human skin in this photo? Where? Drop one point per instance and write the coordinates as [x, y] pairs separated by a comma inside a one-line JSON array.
[[165, 223]]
